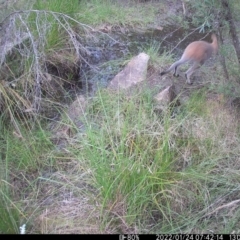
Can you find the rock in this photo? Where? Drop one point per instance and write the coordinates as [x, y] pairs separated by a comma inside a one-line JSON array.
[[61, 135], [77, 109], [62, 132], [165, 98], [133, 73]]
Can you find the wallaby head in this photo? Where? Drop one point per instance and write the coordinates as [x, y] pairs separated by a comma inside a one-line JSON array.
[[196, 52], [214, 43]]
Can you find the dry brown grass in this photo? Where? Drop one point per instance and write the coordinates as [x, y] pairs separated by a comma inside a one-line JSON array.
[[66, 202]]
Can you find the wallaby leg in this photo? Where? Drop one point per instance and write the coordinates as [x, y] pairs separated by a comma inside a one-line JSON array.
[[174, 67], [191, 70], [176, 71], [177, 65]]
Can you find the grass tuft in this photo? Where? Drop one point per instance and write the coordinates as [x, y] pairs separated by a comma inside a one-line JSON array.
[[97, 12]]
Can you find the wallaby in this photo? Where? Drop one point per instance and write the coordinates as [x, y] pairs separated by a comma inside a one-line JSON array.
[[196, 52]]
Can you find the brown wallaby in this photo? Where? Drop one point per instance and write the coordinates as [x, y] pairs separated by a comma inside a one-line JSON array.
[[196, 52]]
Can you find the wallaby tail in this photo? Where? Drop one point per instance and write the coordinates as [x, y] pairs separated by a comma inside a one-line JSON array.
[[174, 67]]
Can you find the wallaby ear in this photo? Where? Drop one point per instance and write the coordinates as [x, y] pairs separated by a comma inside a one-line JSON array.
[[214, 42]]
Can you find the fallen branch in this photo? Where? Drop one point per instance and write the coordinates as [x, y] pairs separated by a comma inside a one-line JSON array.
[[230, 204]]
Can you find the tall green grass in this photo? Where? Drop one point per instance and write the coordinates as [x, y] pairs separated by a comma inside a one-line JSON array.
[[160, 169], [9, 220], [154, 173], [129, 152], [65, 7], [22, 153], [54, 24], [95, 12]]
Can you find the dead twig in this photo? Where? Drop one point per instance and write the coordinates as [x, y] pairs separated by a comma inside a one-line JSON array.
[[230, 204]]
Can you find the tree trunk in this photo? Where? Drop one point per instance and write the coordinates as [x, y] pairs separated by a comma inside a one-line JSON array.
[[229, 18], [222, 58]]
